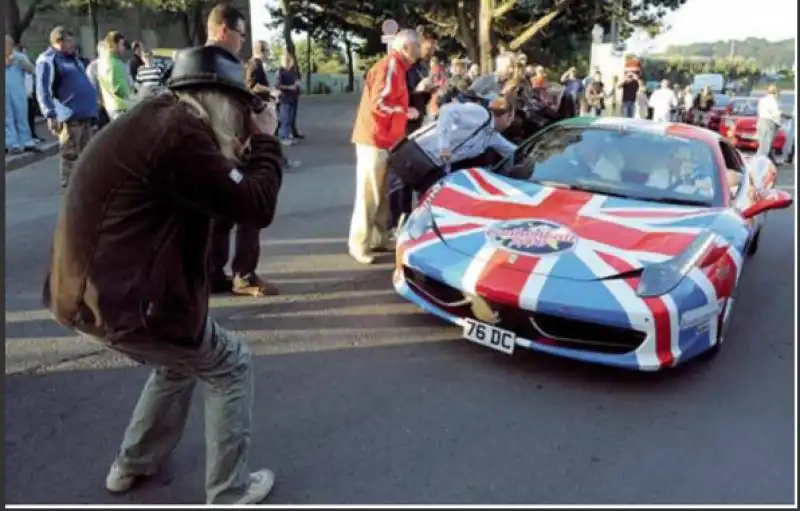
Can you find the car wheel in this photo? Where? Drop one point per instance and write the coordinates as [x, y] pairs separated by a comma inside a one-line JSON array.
[[752, 248]]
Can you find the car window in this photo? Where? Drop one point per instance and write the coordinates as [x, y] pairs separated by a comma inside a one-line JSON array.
[[721, 100], [646, 165], [735, 167], [744, 107]]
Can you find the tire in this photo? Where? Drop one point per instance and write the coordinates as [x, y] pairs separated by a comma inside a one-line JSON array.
[[752, 248]]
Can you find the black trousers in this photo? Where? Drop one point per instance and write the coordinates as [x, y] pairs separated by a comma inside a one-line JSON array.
[[401, 200], [247, 248], [33, 109], [401, 197]]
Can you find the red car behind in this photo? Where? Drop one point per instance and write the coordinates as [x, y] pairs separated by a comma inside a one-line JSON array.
[[738, 124]]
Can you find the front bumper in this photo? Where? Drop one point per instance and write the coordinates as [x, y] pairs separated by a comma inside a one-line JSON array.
[[609, 345]]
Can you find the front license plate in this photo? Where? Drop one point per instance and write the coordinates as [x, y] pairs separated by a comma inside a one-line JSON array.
[[490, 336], [745, 136]]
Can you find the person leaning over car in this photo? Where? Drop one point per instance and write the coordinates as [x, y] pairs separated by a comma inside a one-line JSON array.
[[380, 123], [129, 267], [467, 128]]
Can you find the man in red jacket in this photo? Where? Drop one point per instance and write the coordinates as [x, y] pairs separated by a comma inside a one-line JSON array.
[[381, 121]]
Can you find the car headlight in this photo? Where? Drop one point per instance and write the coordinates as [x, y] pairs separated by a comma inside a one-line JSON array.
[[420, 222], [660, 278]]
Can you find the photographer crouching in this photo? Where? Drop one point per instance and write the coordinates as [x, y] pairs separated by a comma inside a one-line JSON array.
[[129, 260]]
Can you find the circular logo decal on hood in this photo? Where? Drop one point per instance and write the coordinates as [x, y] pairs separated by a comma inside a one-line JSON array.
[[532, 237]]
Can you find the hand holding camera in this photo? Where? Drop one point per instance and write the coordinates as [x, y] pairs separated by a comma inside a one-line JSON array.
[[266, 121]]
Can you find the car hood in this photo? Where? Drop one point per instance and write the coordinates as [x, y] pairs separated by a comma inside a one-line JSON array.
[[562, 233]]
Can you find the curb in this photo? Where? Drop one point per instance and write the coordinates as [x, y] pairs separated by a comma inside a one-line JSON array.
[[48, 149]]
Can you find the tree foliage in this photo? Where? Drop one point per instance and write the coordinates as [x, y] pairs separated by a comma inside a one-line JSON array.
[[767, 54], [190, 14], [456, 22], [324, 58], [680, 70], [18, 21]]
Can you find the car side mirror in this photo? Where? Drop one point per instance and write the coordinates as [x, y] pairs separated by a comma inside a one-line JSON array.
[[772, 199]]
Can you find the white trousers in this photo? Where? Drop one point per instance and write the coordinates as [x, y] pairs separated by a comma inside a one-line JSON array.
[[368, 226]]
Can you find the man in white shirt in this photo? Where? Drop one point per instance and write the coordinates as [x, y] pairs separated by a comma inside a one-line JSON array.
[[663, 101], [467, 130], [769, 121]]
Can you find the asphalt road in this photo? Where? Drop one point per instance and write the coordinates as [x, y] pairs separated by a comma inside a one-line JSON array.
[[362, 399]]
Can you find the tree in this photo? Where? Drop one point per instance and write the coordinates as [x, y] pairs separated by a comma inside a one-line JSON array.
[[579, 15], [323, 59], [17, 22], [92, 9], [189, 13]]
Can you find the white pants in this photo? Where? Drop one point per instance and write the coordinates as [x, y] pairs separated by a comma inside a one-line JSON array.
[[368, 226]]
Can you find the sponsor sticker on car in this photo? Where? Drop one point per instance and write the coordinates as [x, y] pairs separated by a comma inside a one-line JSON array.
[[532, 237]]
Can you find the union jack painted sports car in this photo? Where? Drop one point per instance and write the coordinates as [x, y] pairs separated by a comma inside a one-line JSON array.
[[614, 241]]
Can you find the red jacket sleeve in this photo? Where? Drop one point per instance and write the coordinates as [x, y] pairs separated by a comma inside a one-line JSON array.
[[389, 94]]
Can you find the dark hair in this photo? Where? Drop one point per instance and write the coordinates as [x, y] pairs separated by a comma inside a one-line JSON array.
[[225, 15], [427, 33], [58, 34], [113, 38]]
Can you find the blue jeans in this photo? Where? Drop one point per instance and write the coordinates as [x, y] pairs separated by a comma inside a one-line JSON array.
[[17, 130], [628, 109], [286, 112], [222, 363]]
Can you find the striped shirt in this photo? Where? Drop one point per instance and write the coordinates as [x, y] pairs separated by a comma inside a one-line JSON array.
[[149, 76]]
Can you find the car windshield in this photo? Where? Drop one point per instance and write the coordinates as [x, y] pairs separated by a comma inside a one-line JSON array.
[[745, 107], [721, 100], [637, 164]]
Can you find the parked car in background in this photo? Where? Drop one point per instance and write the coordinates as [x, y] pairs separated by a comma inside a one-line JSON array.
[[712, 117], [738, 124]]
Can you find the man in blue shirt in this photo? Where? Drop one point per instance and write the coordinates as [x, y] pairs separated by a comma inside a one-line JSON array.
[[67, 99]]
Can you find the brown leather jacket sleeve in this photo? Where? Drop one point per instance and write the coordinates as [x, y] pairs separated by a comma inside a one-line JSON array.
[[196, 172]]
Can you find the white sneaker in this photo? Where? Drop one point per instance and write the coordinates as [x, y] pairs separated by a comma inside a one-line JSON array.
[[119, 481], [361, 257], [286, 142], [261, 484]]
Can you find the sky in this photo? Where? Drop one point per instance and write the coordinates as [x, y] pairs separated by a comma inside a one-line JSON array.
[[696, 21], [713, 20]]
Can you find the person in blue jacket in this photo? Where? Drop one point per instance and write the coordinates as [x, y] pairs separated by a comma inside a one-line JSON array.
[[18, 134], [67, 99]]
